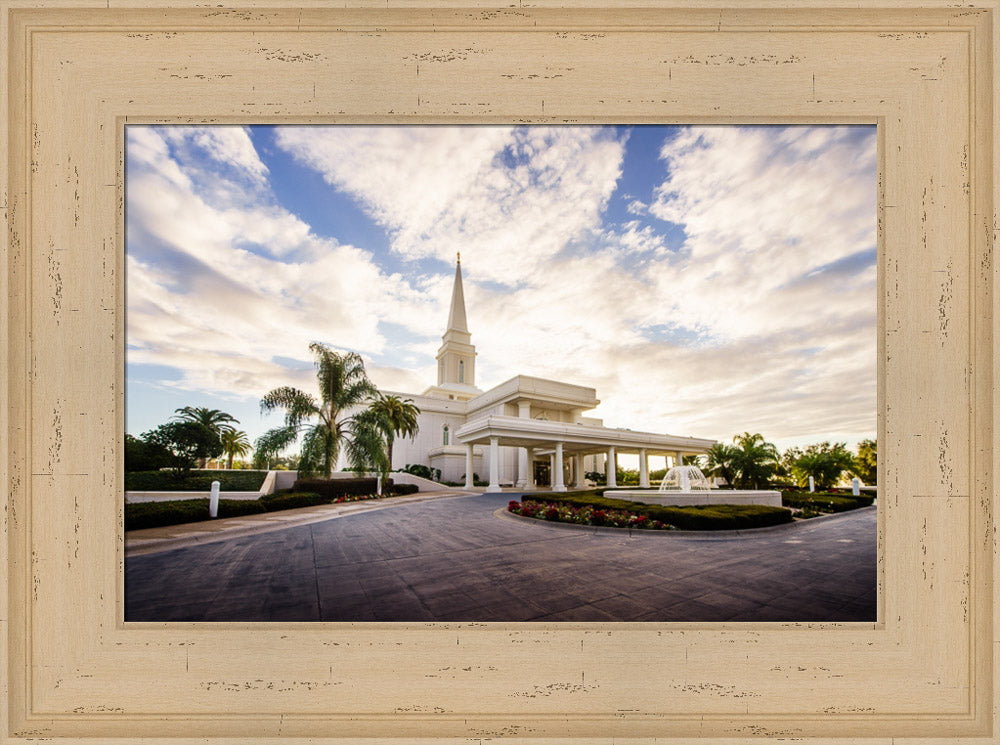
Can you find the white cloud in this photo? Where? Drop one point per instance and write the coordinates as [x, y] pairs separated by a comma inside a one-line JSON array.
[[200, 300], [229, 145], [768, 308], [509, 199], [762, 320]]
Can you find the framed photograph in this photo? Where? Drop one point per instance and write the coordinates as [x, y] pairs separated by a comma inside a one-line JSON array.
[[76, 77]]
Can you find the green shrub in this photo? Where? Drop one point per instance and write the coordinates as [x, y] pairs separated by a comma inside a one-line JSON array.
[[290, 500], [701, 517], [824, 501], [333, 488], [157, 514], [199, 480], [402, 489]]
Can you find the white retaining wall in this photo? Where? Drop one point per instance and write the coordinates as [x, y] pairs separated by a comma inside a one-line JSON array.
[[689, 498], [275, 481]]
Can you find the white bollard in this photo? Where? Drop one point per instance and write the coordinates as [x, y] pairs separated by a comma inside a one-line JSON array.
[[378, 485], [812, 484], [855, 486], [213, 500]]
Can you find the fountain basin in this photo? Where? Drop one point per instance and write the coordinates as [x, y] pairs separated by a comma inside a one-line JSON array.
[[674, 498]]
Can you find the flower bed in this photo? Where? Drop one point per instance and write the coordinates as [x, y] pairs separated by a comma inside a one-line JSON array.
[[585, 515]]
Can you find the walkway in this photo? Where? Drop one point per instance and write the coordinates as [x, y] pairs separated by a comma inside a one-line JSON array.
[[453, 559]]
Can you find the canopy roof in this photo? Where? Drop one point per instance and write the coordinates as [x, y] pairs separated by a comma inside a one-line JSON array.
[[579, 438]]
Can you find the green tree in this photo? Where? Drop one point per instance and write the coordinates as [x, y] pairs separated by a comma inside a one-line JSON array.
[[141, 455], [755, 462], [327, 424], [788, 458], [234, 442], [187, 442], [214, 420], [866, 462], [397, 417], [720, 460], [824, 462]]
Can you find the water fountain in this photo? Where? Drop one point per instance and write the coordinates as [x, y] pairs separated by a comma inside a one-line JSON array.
[[684, 478], [687, 485]]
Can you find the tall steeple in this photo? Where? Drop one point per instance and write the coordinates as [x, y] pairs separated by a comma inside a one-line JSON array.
[[457, 356], [456, 316]]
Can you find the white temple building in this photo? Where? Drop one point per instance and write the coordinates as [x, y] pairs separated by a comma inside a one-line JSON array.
[[525, 432]]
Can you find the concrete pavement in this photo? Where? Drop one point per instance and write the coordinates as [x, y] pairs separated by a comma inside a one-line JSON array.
[[453, 559]]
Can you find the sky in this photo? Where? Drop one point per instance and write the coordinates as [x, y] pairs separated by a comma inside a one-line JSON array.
[[706, 280]]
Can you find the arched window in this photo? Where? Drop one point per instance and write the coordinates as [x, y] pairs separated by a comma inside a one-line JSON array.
[[444, 435], [461, 371]]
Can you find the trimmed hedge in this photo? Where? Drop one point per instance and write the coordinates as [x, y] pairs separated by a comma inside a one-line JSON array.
[[400, 490], [333, 488], [157, 514], [824, 501], [286, 500], [196, 480], [701, 517]]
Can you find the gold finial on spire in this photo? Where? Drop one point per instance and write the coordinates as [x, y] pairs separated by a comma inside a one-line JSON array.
[[459, 255]]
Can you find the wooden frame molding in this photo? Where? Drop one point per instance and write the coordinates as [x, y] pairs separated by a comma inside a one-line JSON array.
[[76, 71]]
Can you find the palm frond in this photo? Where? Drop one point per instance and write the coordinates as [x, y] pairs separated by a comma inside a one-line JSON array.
[[365, 448], [319, 451], [214, 419], [298, 405], [273, 442]]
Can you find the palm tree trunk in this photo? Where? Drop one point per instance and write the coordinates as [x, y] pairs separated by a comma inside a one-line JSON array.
[[389, 440], [229, 463]]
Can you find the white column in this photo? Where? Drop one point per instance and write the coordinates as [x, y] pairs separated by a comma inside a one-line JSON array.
[[494, 464], [522, 468], [530, 473], [678, 458], [523, 462], [469, 483], [612, 468], [552, 471], [643, 470], [579, 472], [557, 482]]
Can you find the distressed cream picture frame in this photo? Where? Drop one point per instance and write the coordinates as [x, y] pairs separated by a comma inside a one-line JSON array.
[[75, 73]]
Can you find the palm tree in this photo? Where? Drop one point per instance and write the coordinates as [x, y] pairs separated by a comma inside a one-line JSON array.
[[234, 443], [721, 461], [756, 460], [214, 420], [398, 417], [343, 387]]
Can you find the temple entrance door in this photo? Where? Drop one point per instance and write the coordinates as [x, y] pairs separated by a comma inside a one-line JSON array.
[[542, 473]]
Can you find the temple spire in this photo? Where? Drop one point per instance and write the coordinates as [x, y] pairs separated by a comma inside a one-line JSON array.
[[457, 356], [456, 316]]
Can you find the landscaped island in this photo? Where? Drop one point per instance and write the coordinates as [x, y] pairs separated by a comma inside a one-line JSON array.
[[591, 507]]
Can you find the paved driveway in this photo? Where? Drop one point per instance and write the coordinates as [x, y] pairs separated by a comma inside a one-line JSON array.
[[453, 559]]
